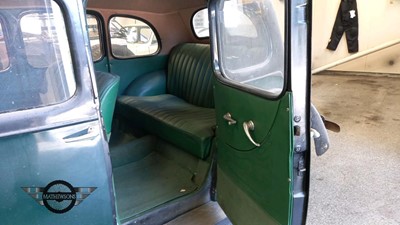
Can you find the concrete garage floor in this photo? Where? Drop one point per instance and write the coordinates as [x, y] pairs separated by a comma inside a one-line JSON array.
[[358, 180]]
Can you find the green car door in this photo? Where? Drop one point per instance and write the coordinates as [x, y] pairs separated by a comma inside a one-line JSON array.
[[261, 52], [54, 162]]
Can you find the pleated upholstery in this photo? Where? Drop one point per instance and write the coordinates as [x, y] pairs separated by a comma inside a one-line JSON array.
[[190, 74], [185, 116], [173, 119]]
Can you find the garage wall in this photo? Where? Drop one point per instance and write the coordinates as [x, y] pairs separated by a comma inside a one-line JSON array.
[[379, 23]]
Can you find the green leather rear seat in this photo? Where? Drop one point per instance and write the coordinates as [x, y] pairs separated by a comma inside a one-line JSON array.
[[107, 87], [185, 115]]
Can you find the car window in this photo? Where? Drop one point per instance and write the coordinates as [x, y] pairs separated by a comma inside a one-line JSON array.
[[132, 38], [4, 61], [94, 37], [200, 23], [252, 51], [42, 72]]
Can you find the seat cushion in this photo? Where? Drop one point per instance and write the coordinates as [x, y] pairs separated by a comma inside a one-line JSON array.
[[171, 118]]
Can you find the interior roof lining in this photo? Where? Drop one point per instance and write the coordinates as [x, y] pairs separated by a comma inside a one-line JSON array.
[[151, 6]]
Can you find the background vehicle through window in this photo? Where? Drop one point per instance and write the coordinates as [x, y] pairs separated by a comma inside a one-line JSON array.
[[132, 38], [94, 37]]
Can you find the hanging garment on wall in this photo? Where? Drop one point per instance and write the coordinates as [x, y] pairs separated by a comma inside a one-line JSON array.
[[346, 22]]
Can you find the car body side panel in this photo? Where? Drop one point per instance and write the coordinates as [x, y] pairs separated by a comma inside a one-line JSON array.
[[63, 141], [33, 160]]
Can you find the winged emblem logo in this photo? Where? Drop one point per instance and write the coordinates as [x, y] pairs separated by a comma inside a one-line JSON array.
[[59, 196]]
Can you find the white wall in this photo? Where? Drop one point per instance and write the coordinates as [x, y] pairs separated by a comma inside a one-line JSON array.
[[379, 23]]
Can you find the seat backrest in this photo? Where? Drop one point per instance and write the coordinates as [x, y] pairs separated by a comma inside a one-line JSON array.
[[107, 86], [190, 74]]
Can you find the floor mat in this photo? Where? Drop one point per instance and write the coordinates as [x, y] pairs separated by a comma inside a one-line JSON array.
[[149, 182], [207, 214]]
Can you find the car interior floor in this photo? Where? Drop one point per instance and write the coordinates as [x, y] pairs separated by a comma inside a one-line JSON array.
[[149, 172]]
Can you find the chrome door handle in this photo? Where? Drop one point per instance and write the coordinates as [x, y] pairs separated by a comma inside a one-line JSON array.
[[247, 126], [228, 117]]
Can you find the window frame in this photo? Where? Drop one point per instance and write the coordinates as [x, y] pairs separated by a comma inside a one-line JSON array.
[[192, 24], [70, 47], [135, 18], [248, 88], [81, 107], [101, 29], [5, 39]]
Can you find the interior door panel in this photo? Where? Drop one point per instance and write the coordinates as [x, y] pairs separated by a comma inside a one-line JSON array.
[[261, 94], [257, 177], [244, 108]]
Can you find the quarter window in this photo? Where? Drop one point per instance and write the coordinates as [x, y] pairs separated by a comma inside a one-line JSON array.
[[4, 61], [200, 23], [94, 36], [132, 38]]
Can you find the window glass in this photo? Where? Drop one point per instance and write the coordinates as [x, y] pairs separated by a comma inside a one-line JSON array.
[[42, 72], [4, 61], [94, 36], [252, 51], [131, 38], [200, 23]]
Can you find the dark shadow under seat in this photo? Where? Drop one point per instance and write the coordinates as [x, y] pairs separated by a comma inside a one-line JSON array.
[[187, 126]]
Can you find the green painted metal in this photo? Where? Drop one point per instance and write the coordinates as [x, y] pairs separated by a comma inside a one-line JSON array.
[[254, 183], [60, 142], [36, 159], [101, 65], [130, 69]]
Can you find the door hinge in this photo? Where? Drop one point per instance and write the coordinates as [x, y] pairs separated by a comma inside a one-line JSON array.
[[301, 168]]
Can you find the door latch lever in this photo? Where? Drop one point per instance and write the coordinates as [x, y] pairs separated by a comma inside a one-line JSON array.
[[228, 117]]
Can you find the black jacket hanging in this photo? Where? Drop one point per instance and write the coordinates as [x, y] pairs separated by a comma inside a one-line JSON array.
[[346, 22]]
